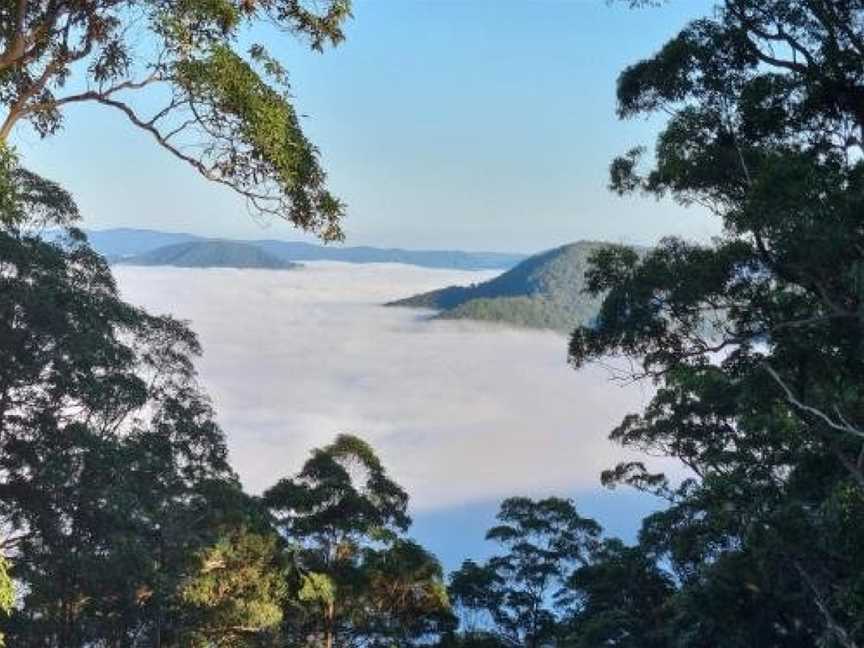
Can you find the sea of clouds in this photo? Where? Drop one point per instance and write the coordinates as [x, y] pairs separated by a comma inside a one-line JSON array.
[[459, 411]]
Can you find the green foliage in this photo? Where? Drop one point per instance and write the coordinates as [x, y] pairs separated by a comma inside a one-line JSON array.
[[113, 472], [237, 591], [340, 498], [259, 138], [407, 593], [622, 600], [524, 591], [7, 593], [105, 445], [763, 405], [178, 72], [316, 588], [29, 199], [358, 579], [475, 590]]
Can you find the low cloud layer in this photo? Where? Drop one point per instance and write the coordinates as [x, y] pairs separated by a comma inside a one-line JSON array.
[[459, 411]]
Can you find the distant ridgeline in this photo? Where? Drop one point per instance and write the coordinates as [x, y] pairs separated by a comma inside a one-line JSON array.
[[149, 247], [210, 254], [544, 291]]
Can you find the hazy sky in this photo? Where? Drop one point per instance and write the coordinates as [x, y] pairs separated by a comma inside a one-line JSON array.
[[484, 124], [462, 413]]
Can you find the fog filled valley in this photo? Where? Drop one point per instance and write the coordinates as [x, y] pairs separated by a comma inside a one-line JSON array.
[[462, 412], [476, 324]]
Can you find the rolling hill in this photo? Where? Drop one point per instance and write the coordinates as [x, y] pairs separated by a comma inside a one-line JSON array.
[[544, 291], [210, 254]]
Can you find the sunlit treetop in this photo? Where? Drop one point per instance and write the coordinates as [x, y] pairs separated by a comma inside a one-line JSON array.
[[7, 593], [176, 69]]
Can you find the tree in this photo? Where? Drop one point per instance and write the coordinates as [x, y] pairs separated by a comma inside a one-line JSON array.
[[524, 589], [406, 593], [27, 199], [113, 472], [237, 592], [754, 341], [359, 581], [103, 438], [475, 590], [176, 71], [7, 593], [621, 599]]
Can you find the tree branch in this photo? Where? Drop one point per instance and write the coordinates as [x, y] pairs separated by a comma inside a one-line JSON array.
[[840, 426]]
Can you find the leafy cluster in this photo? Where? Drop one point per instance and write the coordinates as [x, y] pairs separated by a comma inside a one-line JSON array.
[[359, 580], [224, 110]]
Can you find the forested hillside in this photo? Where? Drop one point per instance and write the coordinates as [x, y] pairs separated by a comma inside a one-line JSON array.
[[544, 291], [210, 254]]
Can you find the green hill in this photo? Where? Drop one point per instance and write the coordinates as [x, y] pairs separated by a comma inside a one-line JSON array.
[[544, 291], [210, 254]]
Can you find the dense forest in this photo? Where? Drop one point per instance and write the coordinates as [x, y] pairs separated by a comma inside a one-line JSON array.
[[123, 523]]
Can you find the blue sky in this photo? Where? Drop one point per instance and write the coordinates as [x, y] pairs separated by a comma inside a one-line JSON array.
[[457, 533], [482, 124]]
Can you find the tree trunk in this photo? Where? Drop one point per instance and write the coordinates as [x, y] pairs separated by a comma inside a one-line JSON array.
[[840, 633], [329, 624]]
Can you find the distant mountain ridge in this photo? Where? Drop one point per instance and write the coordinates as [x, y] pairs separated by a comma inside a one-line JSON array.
[[210, 254], [456, 259], [544, 291], [121, 243], [125, 241]]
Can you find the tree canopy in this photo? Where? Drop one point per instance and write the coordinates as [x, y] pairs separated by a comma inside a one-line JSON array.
[[359, 580], [178, 71], [123, 523], [754, 341], [524, 590]]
